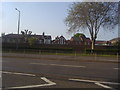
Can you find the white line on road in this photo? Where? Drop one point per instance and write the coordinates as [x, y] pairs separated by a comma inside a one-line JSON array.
[[116, 68], [18, 73], [104, 86], [50, 83], [92, 81], [60, 65], [0, 74]]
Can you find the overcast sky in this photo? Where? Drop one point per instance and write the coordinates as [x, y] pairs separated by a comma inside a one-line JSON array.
[[40, 17]]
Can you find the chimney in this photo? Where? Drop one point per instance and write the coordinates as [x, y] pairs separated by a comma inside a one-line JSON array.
[[43, 34]]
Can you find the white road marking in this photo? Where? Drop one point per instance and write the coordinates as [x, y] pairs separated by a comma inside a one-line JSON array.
[[104, 86], [92, 81], [50, 83], [116, 68], [0, 74], [18, 73], [60, 65]]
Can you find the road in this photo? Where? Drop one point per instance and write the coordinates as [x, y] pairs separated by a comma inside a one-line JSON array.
[[39, 73]]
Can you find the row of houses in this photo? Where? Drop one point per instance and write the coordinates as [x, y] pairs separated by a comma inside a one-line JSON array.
[[13, 38], [46, 39]]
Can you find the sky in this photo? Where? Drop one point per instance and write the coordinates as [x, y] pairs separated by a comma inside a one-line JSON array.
[[40, 17]]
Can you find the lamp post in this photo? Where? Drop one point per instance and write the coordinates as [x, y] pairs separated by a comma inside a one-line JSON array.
[[18, 25]]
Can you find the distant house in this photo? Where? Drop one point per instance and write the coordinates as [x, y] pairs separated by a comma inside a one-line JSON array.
[[59, 40], [114, 40], [13, 38], [108, 43], [45, 39], [100, 42], [87, 41], [81, 40]]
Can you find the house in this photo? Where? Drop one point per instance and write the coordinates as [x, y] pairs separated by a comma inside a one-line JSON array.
[[59, 40], [100, 42], [87, 41], [81, 40], [108, 43], [44, 39], [114, 40], [13, 38]]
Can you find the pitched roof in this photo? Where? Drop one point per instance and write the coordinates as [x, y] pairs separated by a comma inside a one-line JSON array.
[[12, 36], [21, 36], [100, 42], [115, 39], [75, 39], [62, 37]]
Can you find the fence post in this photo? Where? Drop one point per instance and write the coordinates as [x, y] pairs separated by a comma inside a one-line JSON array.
[[117, 56], [24, 51], [95, 56], [56, 52], [75, 54], [9, 50], [39, 51]]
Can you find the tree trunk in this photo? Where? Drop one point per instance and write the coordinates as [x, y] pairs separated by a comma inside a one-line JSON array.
[[93, 46]]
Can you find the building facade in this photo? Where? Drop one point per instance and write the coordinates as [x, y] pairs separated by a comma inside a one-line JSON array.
[[59, 40], [14, 38], [81, 40]]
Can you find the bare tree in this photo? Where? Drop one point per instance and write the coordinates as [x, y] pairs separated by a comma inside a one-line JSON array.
[[23, 33], [30, 32], [26, 31], [26, 34], [92, 15]]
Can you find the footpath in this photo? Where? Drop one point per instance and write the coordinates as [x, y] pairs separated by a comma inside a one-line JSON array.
[[63, 57]]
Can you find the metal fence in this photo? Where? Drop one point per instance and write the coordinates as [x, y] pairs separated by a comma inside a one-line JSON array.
[[60, 49], [59, 52]]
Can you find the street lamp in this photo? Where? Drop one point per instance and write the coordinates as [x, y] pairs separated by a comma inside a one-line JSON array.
[[18, 20], [18, 25]]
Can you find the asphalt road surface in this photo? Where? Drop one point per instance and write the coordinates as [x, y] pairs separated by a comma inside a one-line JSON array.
[[30, 73]]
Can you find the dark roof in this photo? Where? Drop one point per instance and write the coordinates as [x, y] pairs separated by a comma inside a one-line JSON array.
[[21, 36], [12, 36], [115, 39], [76, 38], [100, 42], [80, 39], [47, 37], [56, 38], [62, 37]]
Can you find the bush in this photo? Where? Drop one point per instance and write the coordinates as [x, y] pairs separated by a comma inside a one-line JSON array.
[[104, 51]]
